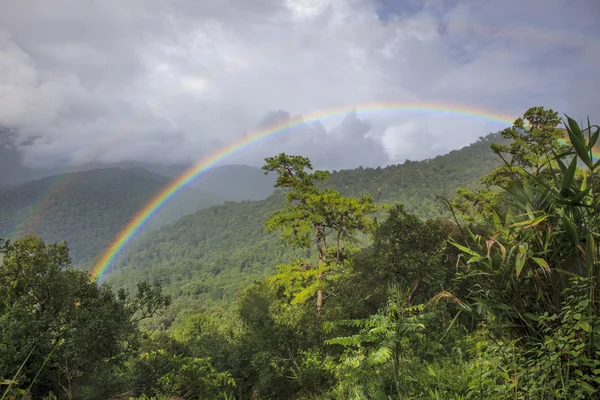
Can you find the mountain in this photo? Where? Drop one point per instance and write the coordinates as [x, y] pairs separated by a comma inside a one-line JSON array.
[[234, 182], [417, 184], [204, 258], [88, 208]]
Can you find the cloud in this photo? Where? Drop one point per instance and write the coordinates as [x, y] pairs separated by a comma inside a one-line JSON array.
[[172, 81]]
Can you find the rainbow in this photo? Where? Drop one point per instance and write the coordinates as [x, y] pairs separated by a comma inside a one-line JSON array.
[[540, 34], [169, 191]]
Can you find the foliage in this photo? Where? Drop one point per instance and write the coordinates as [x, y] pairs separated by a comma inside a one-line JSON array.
[[87, 209], [59, 329], [499, 305], [533, 138], [204, 259], [159, 373], [548, 233], [391, 329], [529, 145], [535, 277], [564, 364]]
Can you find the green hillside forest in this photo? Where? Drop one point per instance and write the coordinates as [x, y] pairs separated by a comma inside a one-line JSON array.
[[205, 258], [469, 276], [88, 208]]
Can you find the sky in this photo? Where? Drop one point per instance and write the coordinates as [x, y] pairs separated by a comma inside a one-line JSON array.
[[172, 81]]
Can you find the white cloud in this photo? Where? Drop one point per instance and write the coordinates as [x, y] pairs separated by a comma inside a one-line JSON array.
[[172, 80]]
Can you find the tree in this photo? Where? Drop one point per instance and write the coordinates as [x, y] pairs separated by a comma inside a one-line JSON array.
[[316, 215], [534, 138], [409, 250], [66, 332]]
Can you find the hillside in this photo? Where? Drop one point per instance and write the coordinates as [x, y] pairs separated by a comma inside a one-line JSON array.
[[88, 208], [204, 258], [417, 184]]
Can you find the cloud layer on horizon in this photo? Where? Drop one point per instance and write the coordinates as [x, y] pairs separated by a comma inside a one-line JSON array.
[[173, 81]]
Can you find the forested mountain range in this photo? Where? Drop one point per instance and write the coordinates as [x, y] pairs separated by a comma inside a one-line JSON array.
[[88, 208], [204, 258], [498, 303]]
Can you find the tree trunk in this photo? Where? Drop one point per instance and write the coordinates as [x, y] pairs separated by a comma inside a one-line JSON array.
[[320, 238], [319, 307]]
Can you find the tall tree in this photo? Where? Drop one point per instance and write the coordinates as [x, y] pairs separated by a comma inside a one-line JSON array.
[[314, 215]]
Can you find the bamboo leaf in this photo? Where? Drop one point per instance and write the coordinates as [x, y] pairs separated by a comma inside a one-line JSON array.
[[489, 244], [574, 127], [520, 259], [563, 167], [570, 230], [542, 263], [476, 259], [577, 199], [497, 223], [593, 136], [578, 142], [584, 183], [465, 249], [569, 174], [510, 216]]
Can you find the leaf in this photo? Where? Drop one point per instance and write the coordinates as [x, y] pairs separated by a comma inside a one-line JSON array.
[[569, 174], [542, 263], [593, 136], [520, 259], [571, 230], [577, 199], [497, 223], [584, 183], [529, 223], [562, 166], [574, 127], [465, 249], [476, 259], [578, 142], [510, 217], [489, 244], [587, 387]]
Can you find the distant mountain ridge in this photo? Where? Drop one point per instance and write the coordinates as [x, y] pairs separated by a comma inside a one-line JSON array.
[[235, 182], [88, 208]]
